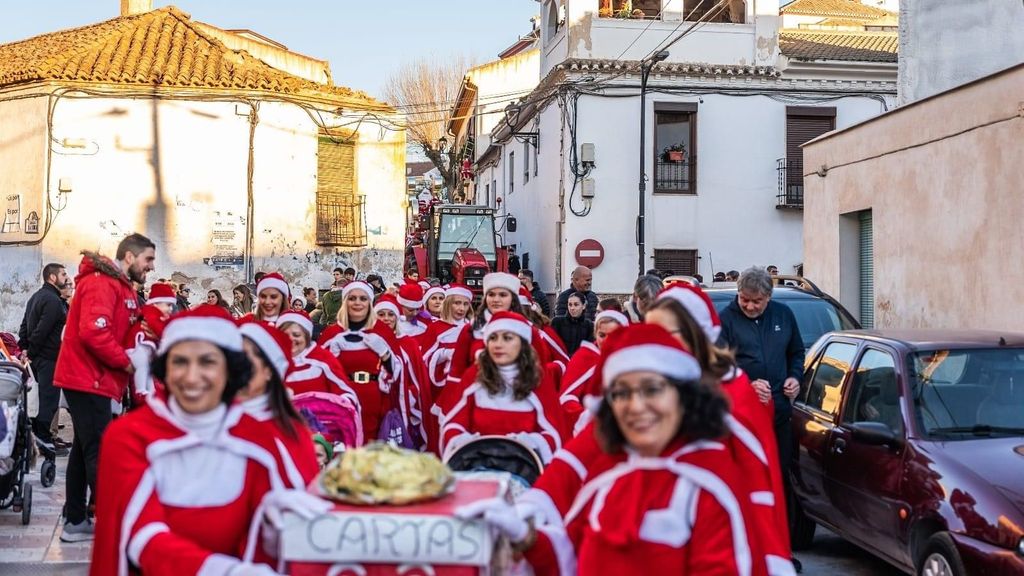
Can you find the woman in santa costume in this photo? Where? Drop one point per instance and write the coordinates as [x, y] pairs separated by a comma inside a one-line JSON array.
[[581, 385], [511, 393], [314, 369], [412, 322], [265, 398], [687, 313], [412, 395], [501, 294], [180, 489], [438, 342], [272, 296], [657, 497], [368, 350], [433, 301]]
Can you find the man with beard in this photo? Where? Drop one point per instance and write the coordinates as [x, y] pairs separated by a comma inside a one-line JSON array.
[[93, 367]]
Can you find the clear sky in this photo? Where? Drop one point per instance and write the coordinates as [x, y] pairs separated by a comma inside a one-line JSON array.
[[363, 41]]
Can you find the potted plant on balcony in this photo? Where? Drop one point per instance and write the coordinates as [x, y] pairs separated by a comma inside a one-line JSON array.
[[674, 153], [605, 11]]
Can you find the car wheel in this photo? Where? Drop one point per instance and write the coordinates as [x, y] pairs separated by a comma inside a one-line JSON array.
[[801, 527], [941, 558]]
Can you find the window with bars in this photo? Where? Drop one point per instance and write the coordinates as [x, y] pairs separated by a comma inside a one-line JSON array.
[[679, 262], [675, 137], [340, 212]]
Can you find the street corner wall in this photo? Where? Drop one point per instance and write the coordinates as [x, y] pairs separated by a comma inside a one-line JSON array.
[[380, 176], [23, 139]]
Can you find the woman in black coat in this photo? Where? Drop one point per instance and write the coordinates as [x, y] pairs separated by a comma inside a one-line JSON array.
[[574, 328]]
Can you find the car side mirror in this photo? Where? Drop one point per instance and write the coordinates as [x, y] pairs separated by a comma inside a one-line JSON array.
[[875, 434], [511, 224]]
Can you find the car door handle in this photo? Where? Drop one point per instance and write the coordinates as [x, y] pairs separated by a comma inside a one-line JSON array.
[[838, 446]]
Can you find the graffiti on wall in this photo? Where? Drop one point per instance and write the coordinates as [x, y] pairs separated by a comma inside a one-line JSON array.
[[12, 214]]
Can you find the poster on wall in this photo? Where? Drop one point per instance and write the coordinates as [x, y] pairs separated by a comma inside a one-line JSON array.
[[12, 214], [32, 223], [227, 235]]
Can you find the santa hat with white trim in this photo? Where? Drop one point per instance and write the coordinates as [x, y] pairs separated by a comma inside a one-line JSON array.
[[274, 344], [501, 280], [697, 304], [459, 290], [387, 302], [509, 322], [207, 323], [431, 291], [276, 281], [613, 315], [648, 348], [424, 285], [299, 317], [525, 298], [161, 293], [411, 296], [357, 285]]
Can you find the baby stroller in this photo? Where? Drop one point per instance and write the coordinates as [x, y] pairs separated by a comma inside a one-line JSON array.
[[16, 444], [333, 416], [498, 454]]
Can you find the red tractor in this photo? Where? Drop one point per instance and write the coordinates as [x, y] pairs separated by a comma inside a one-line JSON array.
[[456, 243]]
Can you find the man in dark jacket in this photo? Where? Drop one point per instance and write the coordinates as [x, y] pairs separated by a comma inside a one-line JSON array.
[[766, 340], [39, 336], [538, 295], [582, 278], [93, 367]]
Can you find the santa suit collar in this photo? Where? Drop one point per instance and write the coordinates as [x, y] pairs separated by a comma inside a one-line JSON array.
[[258, 407]]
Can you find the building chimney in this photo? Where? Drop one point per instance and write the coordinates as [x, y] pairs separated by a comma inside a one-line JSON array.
[[133, 7]]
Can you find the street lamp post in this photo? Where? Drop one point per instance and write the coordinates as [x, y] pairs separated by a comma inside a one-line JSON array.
[[645, 72]]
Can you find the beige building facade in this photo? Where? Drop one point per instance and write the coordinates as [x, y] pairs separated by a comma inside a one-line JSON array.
[[915, 218]]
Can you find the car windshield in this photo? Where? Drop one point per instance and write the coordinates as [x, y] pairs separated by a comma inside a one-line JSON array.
[[466, 231], [816, 317], [969, 393]]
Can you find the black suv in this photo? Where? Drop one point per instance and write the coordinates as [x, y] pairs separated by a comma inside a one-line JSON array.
[[816, 312]]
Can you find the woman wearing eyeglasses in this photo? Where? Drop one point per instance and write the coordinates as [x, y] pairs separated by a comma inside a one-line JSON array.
[[656, 496]]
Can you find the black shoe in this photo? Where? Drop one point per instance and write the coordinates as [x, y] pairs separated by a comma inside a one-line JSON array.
[[797, 565]]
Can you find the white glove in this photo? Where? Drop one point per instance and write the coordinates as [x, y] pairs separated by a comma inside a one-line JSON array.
[[245, 569], [140, 357], [498, 514], [300, 502], [537, 442], [377, 344]]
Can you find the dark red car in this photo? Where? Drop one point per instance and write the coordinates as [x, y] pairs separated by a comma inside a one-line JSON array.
[[910, 444]]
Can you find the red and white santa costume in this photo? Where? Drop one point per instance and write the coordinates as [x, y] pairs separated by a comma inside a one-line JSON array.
[[581, 384], [536, 420], [431, 292], [293, 450], [371, 359], [411, 296], [623, 513], [272, 281], [470, 342], [143, 339], [315, 369], [438, 343], [412, 395], [752, 445], [559, 354], [180, 493]]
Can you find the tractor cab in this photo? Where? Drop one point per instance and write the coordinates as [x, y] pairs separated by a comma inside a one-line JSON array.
[[458, 245]]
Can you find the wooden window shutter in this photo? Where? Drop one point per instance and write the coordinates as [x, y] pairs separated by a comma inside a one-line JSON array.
[[804, 124], [340, 212]]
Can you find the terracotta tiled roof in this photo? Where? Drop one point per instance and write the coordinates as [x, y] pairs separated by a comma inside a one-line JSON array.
[[848, 46], [163, 47], [834, 8]]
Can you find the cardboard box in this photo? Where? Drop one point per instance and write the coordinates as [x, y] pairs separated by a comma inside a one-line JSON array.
[[414, 540]]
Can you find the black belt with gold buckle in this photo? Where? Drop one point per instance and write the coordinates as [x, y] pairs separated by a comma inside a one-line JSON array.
[[363, 377]]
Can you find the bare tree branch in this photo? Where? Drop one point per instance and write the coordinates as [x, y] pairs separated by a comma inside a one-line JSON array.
[[426, 90]]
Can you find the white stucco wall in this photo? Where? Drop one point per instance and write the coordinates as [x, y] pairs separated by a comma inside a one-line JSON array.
[[499, 83], [944, 44], [732, 222], [194, 197]]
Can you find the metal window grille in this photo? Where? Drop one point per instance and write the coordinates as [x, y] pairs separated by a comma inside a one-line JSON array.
[[682, 262], [340, 212], [867, 270]]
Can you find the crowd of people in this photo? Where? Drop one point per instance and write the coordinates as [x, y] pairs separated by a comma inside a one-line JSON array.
[[660, 424]]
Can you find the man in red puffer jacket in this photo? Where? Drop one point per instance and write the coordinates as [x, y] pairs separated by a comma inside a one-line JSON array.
[[93, 367]]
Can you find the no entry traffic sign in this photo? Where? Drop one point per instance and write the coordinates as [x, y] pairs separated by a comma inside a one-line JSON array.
[[589, 253]]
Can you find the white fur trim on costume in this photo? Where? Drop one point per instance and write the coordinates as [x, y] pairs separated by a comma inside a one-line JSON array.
[[521, 329], [386, 305], [573, 462], [431, 291], [217, 564], [258, 334], [164, 300], [219, 331], [297, 318], [459, 291], [764, 498], [275, 283], [142, 537], [501, 280], [411, 304], [357, 285], [665, 360], [525, 301], [697, 308], [779, 566], [613, 315]]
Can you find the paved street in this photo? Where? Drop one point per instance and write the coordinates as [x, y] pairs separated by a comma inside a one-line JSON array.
[[833, 555]]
